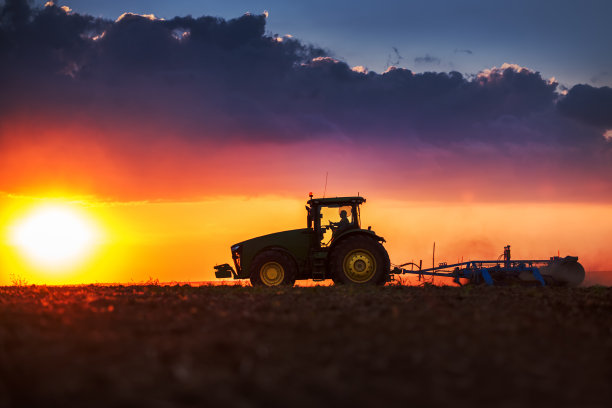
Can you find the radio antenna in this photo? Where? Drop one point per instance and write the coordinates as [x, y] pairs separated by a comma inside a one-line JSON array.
[[325, 189]]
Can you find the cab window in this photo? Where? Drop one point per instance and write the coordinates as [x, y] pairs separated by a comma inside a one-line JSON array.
[[331, 219]]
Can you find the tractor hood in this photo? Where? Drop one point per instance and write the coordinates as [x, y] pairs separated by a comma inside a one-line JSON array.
[[274, 237], [296, 242]]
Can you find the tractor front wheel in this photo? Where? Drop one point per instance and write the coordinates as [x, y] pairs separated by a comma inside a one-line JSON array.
[[359, 260], [273, 268]]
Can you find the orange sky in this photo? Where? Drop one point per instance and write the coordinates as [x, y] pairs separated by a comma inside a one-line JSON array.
[[172, 241], [150, 163], [170, 209]]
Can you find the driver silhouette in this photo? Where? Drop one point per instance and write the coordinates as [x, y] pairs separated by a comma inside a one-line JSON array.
[[344, 221]]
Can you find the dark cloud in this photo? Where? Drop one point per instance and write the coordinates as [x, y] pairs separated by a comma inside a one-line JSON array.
[[228, 77], [15, 13], [210, 80], [589, 105], [427, 59]]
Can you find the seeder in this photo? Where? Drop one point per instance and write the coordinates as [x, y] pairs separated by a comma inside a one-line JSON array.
[[555, 271]]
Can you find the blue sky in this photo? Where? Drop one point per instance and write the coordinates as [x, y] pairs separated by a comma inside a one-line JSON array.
[[570, 40]]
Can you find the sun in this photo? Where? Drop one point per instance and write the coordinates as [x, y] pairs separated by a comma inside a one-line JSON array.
[[55, 235]]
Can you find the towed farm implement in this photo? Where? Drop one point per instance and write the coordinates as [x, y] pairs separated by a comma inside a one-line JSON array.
[[346, 253], [555, 271]]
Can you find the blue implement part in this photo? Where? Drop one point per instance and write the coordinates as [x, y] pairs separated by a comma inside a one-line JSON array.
[[536, 274], [505, 271], [486, 276]]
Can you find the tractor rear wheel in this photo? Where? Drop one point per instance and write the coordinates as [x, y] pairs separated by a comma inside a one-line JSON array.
[[359, 260], [273, 268]]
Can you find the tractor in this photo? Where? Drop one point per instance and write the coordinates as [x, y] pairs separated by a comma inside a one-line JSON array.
[[332, 246], [343, 251]]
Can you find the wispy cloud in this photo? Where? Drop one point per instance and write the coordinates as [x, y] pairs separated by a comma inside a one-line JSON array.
[[427, 59], [463, 51]]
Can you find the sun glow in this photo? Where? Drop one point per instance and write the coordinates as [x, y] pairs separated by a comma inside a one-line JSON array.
[[54, 236]]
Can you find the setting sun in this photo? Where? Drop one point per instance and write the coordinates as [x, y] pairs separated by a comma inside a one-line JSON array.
[[54, 235]]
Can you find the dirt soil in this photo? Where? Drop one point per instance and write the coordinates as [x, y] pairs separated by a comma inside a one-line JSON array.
[[166, 346]]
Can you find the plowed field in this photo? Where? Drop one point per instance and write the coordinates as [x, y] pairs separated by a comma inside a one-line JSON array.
[[164, 346]]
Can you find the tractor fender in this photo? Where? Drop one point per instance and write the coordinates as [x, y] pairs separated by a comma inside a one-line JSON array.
[[368, 233]]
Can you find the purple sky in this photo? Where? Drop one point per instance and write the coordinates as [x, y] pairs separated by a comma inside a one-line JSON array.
[[570, 40]]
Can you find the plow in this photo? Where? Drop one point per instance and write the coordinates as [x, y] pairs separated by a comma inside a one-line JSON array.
[[335, 246]]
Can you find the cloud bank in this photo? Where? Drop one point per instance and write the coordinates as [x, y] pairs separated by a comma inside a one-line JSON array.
[[115, 106]]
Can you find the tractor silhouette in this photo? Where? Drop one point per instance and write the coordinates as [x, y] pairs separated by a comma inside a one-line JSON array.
[[339, 250]]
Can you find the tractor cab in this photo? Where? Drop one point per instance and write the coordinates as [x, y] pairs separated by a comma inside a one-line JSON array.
[[330, 218]]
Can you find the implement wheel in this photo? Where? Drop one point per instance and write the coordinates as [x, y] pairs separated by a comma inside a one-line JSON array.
[[359, 260], [273, 268]]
